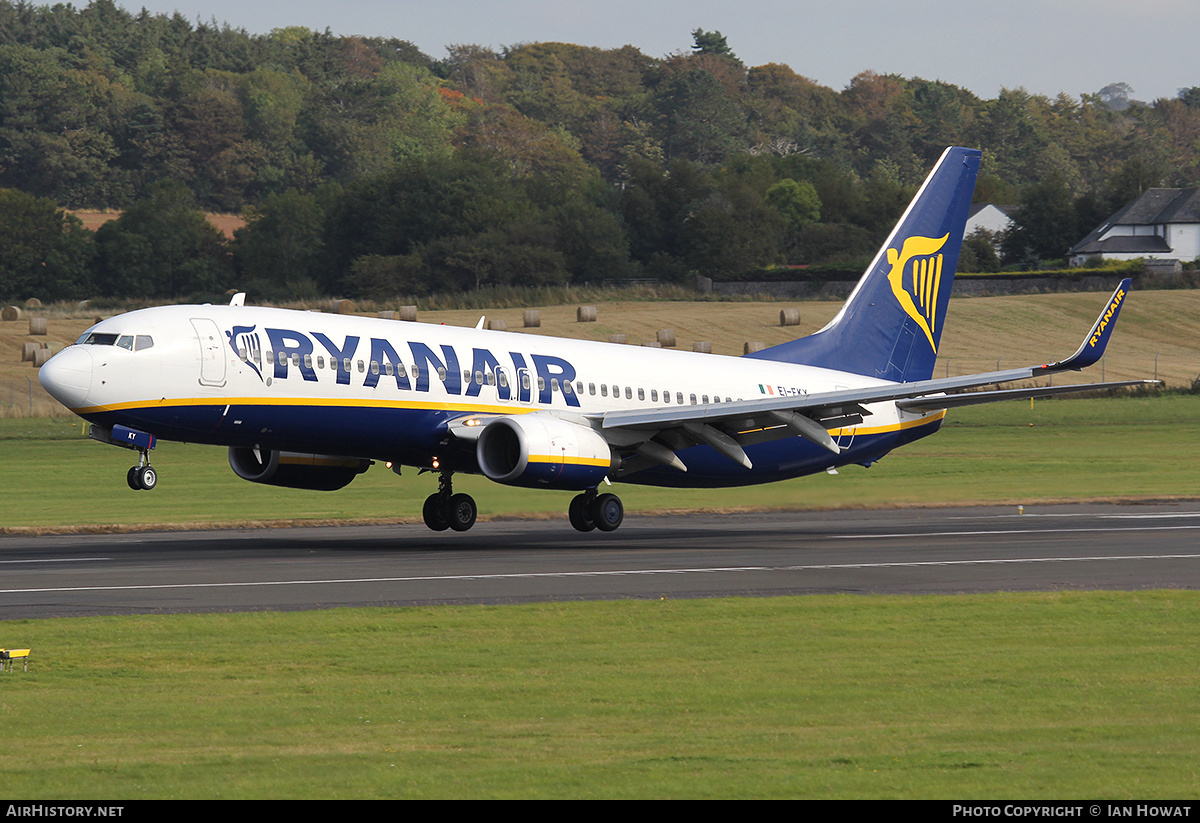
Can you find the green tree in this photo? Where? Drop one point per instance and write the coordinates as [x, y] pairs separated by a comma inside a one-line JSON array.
[[711, 42], [979, 252], [55, 123], [798, 205], [1190, 97], [703, 123], [161, 247], [1045, 225], [281, 249], [384, 277], [44, 251]]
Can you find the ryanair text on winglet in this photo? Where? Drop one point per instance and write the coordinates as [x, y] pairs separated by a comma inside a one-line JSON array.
[[1112, 309]]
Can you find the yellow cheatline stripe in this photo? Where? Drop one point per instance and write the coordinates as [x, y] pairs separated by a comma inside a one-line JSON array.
[[574, 461], [893, 427], [304, 402]]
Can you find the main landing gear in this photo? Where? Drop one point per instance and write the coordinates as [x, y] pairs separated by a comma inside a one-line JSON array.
[[446, 510], [596, 511]]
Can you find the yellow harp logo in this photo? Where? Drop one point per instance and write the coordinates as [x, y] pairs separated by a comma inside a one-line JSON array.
[[915, 276]]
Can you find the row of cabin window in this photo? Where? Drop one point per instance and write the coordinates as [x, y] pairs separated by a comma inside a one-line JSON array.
[[491, 379]]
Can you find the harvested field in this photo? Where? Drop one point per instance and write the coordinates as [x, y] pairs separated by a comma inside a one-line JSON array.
[[227, 224], [1158, 334]]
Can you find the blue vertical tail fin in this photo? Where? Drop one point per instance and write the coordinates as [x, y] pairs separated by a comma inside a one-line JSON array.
[[891, 324]]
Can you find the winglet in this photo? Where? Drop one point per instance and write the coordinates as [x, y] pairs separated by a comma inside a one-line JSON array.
[[1094, 344]]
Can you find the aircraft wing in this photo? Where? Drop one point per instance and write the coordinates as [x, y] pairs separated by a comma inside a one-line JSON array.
[[727, 427]]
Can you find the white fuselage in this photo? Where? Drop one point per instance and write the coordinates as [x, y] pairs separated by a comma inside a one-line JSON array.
[[239, 375]]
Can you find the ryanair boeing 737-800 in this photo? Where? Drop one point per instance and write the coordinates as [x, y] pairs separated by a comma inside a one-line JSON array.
[[310, 400]]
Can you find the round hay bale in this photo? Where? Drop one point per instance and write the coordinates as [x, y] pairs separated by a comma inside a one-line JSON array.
[[617, 338], [10, 313], [343, 306], [27, 350], [408, 313], [388, 315], [40, 357], [585, 314], [753, 346], [702, 346], [37, 325], [533, 319], [653, 344], [497, 325], [33, 303], [666, 337], [82, 305], [789, 317]]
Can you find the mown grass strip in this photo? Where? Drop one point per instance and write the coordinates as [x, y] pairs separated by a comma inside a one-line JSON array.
[[1059, 450], [1065, 695]]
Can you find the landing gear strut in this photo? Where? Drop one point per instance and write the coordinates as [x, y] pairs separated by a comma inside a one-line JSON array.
[[141, 477], [596, 511], [446, 510]]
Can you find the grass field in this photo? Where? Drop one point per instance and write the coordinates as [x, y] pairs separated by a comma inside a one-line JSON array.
[[1058, 450], [1060, 695], [1055, 695]]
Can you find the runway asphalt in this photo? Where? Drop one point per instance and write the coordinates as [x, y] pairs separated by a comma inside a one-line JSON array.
[[911, 551]]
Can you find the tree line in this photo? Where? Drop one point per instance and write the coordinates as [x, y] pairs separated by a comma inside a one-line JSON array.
[[365, 167]]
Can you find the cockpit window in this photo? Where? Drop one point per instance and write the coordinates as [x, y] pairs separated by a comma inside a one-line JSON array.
[[100, 339], [132, 342]]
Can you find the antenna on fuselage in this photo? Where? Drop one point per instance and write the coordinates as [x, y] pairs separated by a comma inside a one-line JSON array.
[[238, 299]]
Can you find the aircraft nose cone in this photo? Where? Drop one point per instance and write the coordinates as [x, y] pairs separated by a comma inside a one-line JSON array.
[[68, 376]]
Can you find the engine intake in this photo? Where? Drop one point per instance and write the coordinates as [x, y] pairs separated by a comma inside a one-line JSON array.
[[543, 452], [319, 472]]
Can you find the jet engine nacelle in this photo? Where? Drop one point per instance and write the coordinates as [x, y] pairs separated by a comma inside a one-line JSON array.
[[320, 472], [543, 452]]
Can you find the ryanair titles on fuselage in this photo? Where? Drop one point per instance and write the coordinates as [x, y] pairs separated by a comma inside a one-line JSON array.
[[513, 378]]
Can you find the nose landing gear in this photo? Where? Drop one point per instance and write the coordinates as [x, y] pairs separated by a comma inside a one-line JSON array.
[[142, 477]]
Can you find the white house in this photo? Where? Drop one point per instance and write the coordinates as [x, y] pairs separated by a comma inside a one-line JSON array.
[[1161, 224], [988, 216]]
